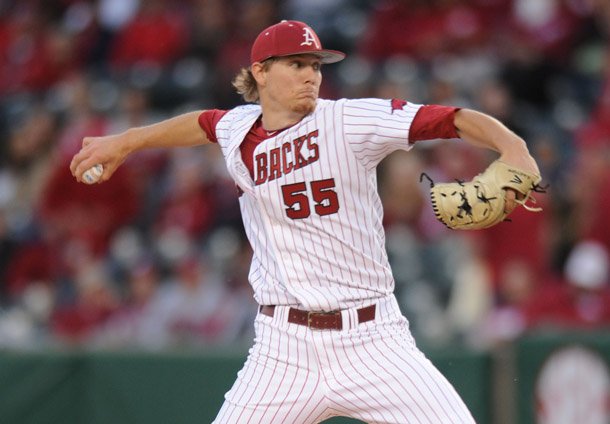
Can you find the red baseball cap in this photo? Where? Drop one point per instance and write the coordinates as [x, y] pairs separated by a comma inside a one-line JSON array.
[[289, 38]]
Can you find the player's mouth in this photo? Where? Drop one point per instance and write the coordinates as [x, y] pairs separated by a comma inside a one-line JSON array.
[[308, 94]]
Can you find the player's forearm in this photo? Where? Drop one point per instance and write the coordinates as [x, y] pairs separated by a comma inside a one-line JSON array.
[[181, 131], [111, 151], [485, 131]]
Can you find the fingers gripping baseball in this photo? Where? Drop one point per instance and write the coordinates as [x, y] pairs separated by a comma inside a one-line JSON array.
[[94, 152]]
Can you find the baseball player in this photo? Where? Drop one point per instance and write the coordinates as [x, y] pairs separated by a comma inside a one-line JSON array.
[[330, 338]]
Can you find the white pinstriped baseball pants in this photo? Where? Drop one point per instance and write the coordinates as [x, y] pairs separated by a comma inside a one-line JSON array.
[[371, 371]]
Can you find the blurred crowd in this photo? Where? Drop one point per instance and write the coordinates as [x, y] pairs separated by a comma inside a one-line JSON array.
[[156, 257]]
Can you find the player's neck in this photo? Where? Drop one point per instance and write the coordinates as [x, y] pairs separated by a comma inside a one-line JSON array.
[[274, 121], [276, 118]]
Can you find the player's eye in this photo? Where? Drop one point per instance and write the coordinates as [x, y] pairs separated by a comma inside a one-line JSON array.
[[300, 64]]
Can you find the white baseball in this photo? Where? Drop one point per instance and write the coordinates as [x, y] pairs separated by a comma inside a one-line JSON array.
[[93, 174]]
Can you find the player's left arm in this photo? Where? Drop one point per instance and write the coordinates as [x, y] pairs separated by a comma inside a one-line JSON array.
[[482, 130]]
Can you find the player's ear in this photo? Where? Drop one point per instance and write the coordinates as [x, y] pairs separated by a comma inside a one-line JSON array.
[[259, 73]]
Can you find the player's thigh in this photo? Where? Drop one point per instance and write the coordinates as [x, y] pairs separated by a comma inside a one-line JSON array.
[[278, 383], [391, 381]]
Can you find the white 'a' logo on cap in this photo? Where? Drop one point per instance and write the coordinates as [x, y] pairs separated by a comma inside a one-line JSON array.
[[310, 38]]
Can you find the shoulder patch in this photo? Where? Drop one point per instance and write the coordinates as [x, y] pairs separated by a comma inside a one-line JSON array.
[[398, 104]]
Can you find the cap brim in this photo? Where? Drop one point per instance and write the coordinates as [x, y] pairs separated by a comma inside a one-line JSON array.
[[326, 56], [330, 56]]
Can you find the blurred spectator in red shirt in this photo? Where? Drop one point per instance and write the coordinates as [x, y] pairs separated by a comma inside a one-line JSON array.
[[525, 238], [549, 28], [537, 42], [34, 53], [95, 300], [156, 36], [72, 211], [590, 177], [581, 297], [33, 262], [188, 204], [424, 29]]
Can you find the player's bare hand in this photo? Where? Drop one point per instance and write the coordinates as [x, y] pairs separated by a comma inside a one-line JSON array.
[[510, 203], [109, 151], [521, 159]]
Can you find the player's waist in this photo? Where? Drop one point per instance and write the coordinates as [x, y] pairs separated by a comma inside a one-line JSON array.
[[336, 319], [332, 320]]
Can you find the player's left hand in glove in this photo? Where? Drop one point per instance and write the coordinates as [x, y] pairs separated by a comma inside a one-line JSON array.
[[481, 202]]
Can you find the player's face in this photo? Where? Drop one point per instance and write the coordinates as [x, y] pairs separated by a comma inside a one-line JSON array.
[[293, 83]]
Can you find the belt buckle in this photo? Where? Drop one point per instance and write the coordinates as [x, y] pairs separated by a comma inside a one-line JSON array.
[[312, 314]]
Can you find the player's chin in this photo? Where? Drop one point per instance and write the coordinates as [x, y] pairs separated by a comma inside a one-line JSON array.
[[305, 105]]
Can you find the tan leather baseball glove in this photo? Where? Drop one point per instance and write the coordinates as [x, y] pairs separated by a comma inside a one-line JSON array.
[[480, 203]]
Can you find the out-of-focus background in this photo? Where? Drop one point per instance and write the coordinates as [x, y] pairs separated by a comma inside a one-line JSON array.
[[139, 285]]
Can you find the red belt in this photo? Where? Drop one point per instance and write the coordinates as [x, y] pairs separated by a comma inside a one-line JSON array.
[[320, 320]]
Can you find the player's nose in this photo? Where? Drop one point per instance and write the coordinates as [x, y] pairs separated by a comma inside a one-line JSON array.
[[310, 75]]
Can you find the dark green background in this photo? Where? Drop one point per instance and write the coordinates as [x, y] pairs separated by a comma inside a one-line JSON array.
[[77, 387], [146, 388]]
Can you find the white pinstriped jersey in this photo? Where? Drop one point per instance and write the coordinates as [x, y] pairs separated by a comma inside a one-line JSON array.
[[312, 213]]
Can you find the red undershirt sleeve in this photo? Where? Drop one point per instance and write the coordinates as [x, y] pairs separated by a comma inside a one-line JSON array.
[[433, 122], [208, 120]]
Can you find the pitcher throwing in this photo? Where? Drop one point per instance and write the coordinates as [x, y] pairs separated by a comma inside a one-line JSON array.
[[330, 338]]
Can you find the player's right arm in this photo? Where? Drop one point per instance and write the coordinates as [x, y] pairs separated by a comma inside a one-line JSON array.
[[112, 150]]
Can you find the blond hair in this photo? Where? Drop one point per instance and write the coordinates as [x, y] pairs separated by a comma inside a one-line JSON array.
[[246, 85]]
